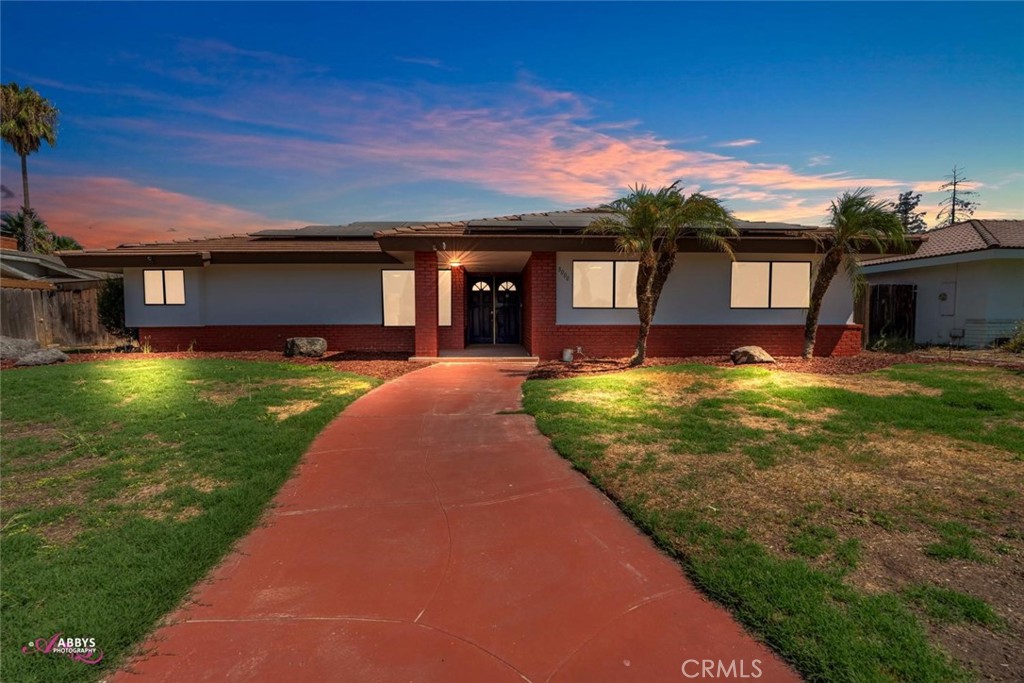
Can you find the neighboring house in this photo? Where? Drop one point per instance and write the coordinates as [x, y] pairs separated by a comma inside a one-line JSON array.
[[425, 288], [43, 299], [965, 285]]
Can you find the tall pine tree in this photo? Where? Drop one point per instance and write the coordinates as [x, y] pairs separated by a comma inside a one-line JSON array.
[[906, 210], [958, 204]]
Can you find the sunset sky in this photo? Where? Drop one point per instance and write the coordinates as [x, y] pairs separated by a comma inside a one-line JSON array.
[[196, 119]]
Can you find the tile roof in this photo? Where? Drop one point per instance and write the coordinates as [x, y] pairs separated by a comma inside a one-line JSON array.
[[977, 234], [241, 243]]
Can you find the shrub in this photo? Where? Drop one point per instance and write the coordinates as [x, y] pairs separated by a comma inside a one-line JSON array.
[[892, 344], [1016, 342], [111, 310]]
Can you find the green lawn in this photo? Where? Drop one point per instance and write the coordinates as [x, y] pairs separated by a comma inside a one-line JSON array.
[[867, 527], [124, 482]]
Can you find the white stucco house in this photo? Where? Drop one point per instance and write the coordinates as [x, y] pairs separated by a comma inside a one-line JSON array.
[[540, 281], [966, 282]]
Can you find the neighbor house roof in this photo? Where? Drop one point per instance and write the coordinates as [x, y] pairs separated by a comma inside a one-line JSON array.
[[977, 234], [25, 270]]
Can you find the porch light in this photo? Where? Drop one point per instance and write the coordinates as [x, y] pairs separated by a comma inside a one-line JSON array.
[[454, 264]]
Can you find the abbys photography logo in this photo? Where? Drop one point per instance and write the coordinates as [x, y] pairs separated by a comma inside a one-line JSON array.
[[82, 650]]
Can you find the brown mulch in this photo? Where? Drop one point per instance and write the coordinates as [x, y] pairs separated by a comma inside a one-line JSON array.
[[846, 365], [385, 366]]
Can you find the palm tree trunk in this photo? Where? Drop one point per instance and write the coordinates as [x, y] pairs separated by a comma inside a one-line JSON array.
[[829, 266], [646, 312], [28, 225], [644, 305]]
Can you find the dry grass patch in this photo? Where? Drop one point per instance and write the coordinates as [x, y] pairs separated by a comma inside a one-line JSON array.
[[291, 409]]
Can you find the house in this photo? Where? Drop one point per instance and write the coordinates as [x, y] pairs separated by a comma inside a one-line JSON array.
[[965, 285], [44, 300], [434, 288]]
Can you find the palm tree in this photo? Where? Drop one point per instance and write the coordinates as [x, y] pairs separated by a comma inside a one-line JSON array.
[[64, 243], [45, 241], [857, 221], [26, 120], [14, 224], [649, 224]]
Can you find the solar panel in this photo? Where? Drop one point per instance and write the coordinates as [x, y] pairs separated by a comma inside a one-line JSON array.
[[357, 229]]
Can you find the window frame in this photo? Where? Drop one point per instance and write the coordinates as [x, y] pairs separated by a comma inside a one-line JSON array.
[[771, 268], [615, 285], [163, 286], [383, 306]]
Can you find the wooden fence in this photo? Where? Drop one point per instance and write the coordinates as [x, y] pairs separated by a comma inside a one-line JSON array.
[[65, 317]]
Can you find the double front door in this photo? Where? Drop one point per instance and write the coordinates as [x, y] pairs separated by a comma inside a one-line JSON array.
[[494, 309]]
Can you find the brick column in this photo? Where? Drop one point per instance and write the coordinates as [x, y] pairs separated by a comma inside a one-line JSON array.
[[454, 337], [539, 307], [426, 303]]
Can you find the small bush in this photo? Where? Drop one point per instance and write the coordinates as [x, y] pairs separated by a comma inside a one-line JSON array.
[[885, 344], [111, 310], [1016, 342]]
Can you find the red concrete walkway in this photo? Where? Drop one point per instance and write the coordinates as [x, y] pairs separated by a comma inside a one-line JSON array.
[[430, 536]]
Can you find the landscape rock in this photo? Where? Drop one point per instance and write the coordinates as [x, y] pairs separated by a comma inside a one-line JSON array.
[[750, 354], [310, 347], [16, 348], [44, 357]]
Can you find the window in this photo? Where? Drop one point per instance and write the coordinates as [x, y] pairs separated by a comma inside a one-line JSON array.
[[399, 292], [625, 283], [507, 287], [791, 284], [164, 287], [771, 284], [444, 298], [481, 287], [604, 284]]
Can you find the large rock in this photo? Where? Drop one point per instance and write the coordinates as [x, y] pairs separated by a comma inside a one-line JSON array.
[[44, 357], [313, 347], [16, 348], [750, 354]]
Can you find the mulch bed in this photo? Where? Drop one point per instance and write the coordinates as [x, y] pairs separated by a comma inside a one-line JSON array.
[[867, 361], [385, 366]]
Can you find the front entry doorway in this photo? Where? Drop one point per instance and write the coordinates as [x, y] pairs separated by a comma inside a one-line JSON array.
[[494, 309]]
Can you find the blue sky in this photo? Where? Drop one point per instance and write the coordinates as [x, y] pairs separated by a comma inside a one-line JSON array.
[[193, 119]]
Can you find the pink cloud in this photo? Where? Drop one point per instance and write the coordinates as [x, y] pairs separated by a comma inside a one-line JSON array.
[[105, 212], [536, 143], [520, 140]]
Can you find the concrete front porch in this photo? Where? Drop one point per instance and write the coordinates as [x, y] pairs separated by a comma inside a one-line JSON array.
[[481, 353]]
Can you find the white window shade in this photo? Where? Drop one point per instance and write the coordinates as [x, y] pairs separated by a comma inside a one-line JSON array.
[[625, 283], [593, 284], [791, 284], [399, 292], [750, 283], [174, 287], [153, 281], [444, 298]]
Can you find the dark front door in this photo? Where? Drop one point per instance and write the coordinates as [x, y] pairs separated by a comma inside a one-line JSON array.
[[494, 309]]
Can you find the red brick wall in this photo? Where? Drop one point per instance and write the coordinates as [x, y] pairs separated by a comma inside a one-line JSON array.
[[271, 337], [618, 341], [454, 337], [543, 338], [426, 303]]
